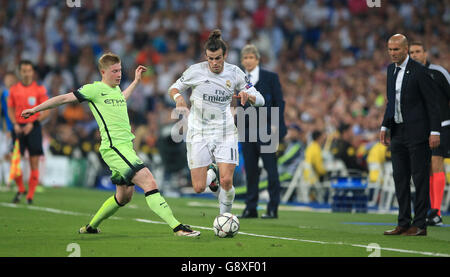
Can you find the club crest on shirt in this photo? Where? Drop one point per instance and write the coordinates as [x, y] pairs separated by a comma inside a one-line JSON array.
[[228, 83], [32, 101]]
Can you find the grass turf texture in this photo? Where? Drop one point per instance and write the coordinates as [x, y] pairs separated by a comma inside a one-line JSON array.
[[47, 227]]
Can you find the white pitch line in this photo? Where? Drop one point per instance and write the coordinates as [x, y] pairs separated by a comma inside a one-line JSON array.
[[50, 210], [242, 206], [57, 211], [37, 208]]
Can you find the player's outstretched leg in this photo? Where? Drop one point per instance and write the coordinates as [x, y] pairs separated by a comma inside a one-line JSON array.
[[109, 207], [122, 196], [158, 204]]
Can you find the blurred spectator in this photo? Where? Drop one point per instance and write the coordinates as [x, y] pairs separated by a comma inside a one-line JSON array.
[[74, 113], [378, 154], [313, 157], [6, 128], [5, 123], [344, 148], [293, 151]]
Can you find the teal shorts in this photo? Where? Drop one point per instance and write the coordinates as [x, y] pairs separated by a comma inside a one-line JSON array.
[[123, 162]]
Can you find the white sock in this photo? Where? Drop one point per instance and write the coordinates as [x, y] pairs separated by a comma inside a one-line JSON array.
[[226, 199], [210, 176]]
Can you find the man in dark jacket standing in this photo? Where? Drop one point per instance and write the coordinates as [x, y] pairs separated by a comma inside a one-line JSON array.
[[268, 84], [414, 127]]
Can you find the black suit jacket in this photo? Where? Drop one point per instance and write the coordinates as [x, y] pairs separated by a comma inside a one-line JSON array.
[[270, 88], [418, 104]]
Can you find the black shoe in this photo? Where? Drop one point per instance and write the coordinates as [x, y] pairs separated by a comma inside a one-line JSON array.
[[270, 215], [18, 196], [433, 219], [29, 201], [88, 230], [248, 214], [185, 231]]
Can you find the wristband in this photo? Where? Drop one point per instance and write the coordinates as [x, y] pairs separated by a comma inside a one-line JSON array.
[[175, 96]]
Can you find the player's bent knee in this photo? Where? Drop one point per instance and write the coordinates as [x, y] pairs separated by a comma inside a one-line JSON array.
[[199, 188]]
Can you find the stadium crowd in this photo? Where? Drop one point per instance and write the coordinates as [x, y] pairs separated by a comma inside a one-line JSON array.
[[330, 56]]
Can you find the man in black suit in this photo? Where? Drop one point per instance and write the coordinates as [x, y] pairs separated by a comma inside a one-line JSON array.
[[414, 126], [268, 84]]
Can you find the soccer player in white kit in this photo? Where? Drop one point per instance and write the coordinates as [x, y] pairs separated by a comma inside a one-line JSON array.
[[212, 138]]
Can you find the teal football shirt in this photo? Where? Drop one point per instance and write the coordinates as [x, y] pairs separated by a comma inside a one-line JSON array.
[[110, 110]]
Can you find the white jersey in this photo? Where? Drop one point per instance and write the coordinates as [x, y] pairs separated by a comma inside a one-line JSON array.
[[210, 113]]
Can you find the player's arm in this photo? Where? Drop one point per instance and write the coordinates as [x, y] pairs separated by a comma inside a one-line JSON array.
[[251, 95], [137, 78], [182, 84], [51, 103], [244, 97], [175, 94]]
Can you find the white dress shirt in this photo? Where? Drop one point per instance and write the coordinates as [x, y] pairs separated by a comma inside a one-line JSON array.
[[253, 75]]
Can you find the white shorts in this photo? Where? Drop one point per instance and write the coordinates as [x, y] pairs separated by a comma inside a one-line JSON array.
[[203, 151]]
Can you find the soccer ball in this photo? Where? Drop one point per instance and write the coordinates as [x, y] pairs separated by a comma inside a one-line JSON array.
[[226, 225]]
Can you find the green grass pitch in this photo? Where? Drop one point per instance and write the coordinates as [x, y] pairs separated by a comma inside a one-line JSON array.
[[49, 227]]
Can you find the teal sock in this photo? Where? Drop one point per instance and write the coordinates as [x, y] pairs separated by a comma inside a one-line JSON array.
[[159, 206], [108, 208]]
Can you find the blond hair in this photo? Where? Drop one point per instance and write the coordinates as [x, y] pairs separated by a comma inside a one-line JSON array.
[[107, 59]]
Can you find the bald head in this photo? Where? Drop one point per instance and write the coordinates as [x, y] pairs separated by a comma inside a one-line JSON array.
[[400, 39], [398, 48]]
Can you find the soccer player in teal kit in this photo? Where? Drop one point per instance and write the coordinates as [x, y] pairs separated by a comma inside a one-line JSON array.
[[108, 104]]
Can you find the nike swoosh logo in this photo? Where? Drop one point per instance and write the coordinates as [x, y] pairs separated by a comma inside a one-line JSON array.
[[162, 203], [103, 94]]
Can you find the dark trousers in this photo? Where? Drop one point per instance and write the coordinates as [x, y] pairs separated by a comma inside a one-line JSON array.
[[251, 152], [410, 160]]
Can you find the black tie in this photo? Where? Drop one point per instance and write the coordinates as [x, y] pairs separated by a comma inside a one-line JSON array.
[[397, 69]]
